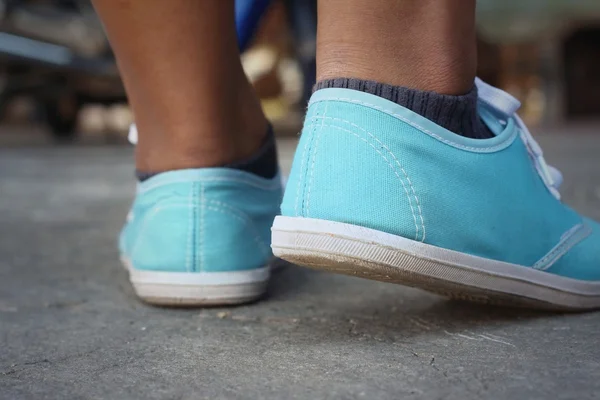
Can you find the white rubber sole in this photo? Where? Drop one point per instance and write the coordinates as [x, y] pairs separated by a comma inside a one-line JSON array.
[[198, 288], [367, 253]]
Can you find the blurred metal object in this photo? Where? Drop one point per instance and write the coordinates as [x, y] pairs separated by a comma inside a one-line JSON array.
[[76, 28], [36, 51], [56, 52]]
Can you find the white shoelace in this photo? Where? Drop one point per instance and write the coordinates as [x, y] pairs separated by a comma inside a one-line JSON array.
[[507, 105], [132, 136]]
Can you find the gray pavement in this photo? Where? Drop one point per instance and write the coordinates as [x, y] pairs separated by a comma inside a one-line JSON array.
[[71, 328]]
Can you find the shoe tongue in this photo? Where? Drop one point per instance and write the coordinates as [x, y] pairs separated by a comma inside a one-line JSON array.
[[504, 106], [497, 99], [499, 106]]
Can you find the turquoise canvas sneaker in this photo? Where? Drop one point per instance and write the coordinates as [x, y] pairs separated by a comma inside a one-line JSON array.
[[380, 192], [201, 236]]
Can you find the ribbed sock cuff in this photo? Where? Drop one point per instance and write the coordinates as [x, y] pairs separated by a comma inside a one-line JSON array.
[[455, 113]]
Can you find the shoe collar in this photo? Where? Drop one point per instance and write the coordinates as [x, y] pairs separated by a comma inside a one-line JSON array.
[[505, 106]]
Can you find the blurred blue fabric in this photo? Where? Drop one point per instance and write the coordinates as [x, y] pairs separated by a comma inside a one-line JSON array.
[[247, 16]]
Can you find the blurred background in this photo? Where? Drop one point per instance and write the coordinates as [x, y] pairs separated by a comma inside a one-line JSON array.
[[58, 79]]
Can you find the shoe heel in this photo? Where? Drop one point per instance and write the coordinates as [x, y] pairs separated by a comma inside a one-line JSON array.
[[344, 171], [198, 288]]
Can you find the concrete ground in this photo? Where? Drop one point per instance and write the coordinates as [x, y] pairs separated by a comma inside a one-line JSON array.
[[71, 328]]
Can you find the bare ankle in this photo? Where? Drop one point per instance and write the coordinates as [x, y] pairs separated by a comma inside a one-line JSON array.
[[426, 44], [228, 131]]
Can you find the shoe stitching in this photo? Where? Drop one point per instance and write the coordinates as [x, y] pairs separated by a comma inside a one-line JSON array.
[[314, 158], [147, 218], [573, 237], [300, 171], [197, 267], [190, 234], [416, 198], [216, 206], [391, 166], [296, 200], [202, 225], [225, 209], [242, 217], [302, 161], [308, 155], [419, 127]]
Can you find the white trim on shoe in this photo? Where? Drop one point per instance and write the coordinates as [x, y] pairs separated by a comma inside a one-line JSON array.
[[372, 254], [198, 288]]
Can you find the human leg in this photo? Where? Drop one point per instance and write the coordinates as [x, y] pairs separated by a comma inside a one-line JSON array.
[[198, 232], [179, 61]]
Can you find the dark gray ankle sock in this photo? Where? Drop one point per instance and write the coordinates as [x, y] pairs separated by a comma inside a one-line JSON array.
[[455, 113], [263, 163]]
